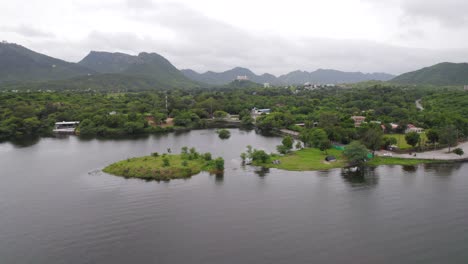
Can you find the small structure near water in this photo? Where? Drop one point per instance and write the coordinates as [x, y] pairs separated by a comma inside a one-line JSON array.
[[66, 127]]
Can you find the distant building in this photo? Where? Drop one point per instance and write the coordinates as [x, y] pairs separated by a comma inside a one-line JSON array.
[[242, 78], [465, 87], [257, 112], [266, 85], [413, 128], [358, 120]]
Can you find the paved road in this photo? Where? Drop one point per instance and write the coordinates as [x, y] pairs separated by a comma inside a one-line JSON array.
[[435, 154], [419, 105]]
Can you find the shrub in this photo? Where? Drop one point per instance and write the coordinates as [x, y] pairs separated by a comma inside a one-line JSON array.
[[166, 162], [260, 156], [207, 156], [224, 134], [458, 151], [155, 154], [219, 164]]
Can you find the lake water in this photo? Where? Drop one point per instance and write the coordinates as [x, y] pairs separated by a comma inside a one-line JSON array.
[[56, 207]]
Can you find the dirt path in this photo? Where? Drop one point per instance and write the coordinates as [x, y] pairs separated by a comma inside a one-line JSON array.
[[434, 154]]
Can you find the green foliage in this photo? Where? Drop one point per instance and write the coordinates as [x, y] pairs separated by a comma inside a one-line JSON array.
[[373, 138], [219, 164], [412, 138], [388, 141], [260, 156], [243, 156], [220, 114], [207, 156], [315, 137], [458, 151], [449, 135], [155, 154], [356, 153], [224, 134], [440, 74], [286, 145], [166, 162], [432, 135]]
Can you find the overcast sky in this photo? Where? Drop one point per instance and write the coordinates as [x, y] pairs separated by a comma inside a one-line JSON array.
[[278, 36]]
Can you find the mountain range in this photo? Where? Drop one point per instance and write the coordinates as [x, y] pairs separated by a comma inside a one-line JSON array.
[[320, 76], [21, 67], [445, 73]]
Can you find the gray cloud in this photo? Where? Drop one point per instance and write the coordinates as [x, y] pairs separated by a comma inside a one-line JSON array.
[[450, 13], [193, 40], [26, 31]]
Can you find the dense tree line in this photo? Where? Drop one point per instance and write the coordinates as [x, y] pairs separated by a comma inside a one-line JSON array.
[[329, 109]]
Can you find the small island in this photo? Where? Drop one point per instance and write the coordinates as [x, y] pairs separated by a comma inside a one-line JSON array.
[[167, 166]]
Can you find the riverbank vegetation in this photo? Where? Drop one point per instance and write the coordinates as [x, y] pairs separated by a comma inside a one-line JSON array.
[[296, 108], [167, 166]]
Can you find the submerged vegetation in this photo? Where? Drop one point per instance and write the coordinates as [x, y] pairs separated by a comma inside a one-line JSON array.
[[167, 166]]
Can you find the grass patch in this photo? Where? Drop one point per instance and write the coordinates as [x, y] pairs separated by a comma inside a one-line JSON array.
[[308, 159], [153, 167], [399, 161], [401, 141]]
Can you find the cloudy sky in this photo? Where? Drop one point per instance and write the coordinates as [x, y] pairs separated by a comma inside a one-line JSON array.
[[391, 36]]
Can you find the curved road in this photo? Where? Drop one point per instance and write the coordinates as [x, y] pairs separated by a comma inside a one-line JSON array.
[[419, 105], [440, 154]]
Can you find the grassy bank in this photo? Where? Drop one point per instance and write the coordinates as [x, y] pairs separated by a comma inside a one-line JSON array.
[[399, 161], [164, 167], [310, 159]]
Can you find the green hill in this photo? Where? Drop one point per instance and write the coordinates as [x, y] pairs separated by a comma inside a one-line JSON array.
[[18, 64], [445, 73]]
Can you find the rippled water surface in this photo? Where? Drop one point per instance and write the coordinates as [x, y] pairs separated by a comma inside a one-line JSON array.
[[56, 207]]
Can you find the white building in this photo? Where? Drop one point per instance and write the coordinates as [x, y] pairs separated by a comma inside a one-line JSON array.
[[242, 78]]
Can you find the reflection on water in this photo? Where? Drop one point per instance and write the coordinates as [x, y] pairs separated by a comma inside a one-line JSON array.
[[410, 168], [445, 170], [219, 177], [364, 176], [262, 171]]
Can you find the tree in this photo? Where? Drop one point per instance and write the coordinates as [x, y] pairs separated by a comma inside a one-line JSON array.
[[412, 138], [207, 156], [314, 137], [356, 153], [389, 141], [288, 142], [243, 156], [324, 145], [373, 138], [432, 136], [219, 164], [220, 114], [260, 155], [224, 133], [286, 146], [448, 135]]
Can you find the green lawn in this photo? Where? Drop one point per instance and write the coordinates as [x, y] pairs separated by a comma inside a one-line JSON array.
[[308, 159], [401, 141]]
